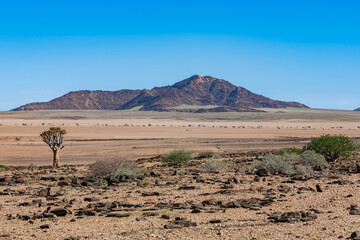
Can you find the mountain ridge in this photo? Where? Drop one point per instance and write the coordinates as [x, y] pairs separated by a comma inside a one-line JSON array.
[[195, 90]]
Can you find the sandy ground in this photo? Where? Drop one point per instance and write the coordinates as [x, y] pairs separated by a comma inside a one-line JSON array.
[[157, 207], [160, 209], [94, 135]]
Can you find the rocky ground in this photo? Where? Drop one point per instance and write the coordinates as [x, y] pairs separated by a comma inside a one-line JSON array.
[[181, 203]]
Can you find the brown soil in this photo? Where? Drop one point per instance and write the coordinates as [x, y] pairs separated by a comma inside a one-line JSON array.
[[190, 204]]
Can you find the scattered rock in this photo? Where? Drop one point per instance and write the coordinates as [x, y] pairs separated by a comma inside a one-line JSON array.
[[188, 188], [117, 215], [60, 212], [292, 216], [355, 235], [45, 226], [354, 210], [262, 172], [147, 194], [215, 221], [91, 199]]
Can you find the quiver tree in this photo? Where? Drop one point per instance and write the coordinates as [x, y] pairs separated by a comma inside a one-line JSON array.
[[54, 138]]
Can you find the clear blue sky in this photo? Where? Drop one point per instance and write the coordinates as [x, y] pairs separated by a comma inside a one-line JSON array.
[[298, 50]]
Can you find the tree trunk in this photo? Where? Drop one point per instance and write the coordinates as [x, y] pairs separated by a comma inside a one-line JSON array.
[[56, 161]]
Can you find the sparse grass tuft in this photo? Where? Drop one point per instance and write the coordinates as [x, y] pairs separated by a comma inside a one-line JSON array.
[[208, 154], [275, 164], [177, 158], [216, 166], [292, 150]]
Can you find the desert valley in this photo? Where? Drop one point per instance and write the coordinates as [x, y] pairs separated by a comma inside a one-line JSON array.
[[166, 201]]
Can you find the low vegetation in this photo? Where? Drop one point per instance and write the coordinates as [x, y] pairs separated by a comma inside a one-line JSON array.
[[292, 150], [216, 166], [127, 172], [291, 158], [275, 164], [332, 147], [208, 154], [177, 158], [102, 168], [311, 158], [303, 171]]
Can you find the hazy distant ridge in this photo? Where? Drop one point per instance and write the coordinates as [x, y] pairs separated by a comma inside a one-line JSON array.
[[195, 90]]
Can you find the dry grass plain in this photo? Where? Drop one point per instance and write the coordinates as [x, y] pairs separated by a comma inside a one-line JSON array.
[[173, 203]]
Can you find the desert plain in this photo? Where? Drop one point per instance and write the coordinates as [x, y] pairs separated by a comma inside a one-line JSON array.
[[174, 202]]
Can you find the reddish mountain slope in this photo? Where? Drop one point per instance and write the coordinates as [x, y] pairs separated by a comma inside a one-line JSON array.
[[195, 90]]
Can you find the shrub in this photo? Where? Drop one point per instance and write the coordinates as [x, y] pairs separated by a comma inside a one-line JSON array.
[[207, 155], [275, 164], [177, 158], [216, 166], [2, 167], [120, 172], [311, 158], [304, 171], [331, 147], [290, 151], [102, 168], [291, 157], [356, 143]]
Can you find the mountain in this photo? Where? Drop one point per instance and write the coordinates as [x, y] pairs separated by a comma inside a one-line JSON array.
[[358, 109], [196, 90]]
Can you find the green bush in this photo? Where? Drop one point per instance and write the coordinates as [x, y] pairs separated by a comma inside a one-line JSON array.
[[2, 167], [216, 166], [275, 164], [177, 158], [290, 151], [311, 158], [331, 147], [207, 155]]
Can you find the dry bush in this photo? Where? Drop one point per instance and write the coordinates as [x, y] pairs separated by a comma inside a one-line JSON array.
[[304, 171], [274, 164], [216, 166], [102, 168], [356, 143], [128, 172], [291, 157], [311, 158]]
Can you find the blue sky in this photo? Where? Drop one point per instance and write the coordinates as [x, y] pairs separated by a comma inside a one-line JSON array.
[[299, 50]]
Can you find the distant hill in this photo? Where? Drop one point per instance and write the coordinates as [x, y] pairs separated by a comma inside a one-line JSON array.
[[194, 91], [358, 109]]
